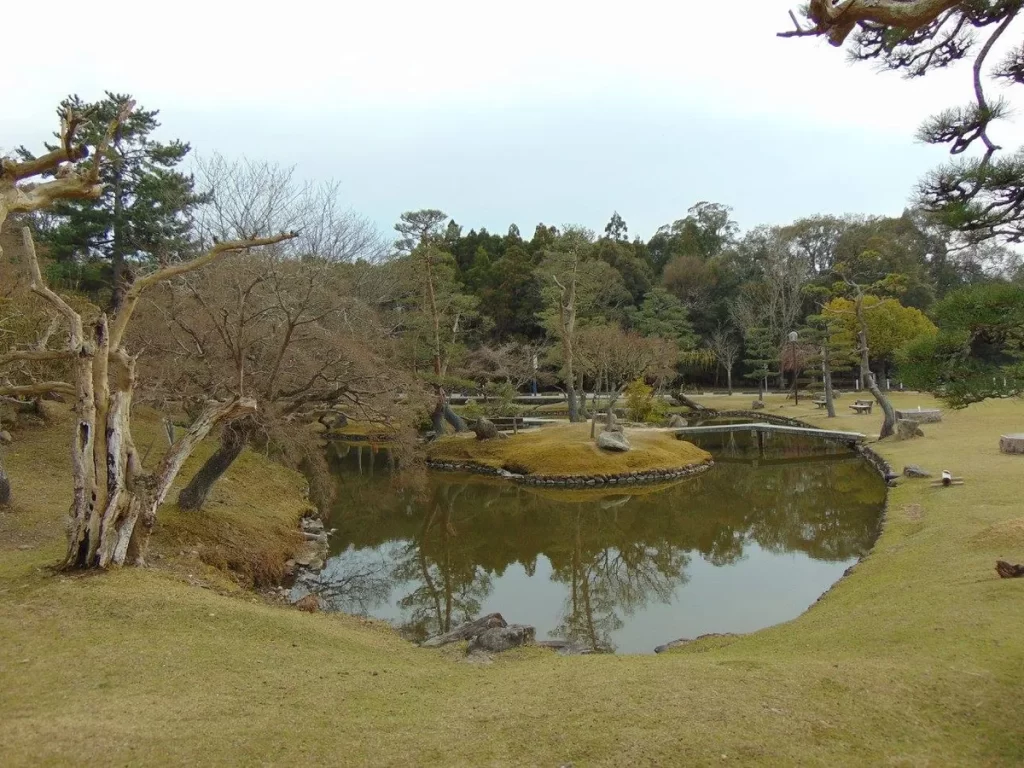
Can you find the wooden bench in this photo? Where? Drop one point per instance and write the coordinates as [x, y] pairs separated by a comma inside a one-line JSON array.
[[862, 406]]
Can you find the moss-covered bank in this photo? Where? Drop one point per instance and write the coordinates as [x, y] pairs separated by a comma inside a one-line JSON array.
[[566, 454], [916, 658]]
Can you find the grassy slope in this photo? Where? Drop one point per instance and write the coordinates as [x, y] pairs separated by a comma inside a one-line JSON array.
[[916, 659], [567, 449]]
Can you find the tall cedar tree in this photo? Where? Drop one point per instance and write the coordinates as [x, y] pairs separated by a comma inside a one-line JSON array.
[[142, 214]]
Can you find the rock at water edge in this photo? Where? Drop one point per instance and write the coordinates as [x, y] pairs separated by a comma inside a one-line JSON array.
[[498, 639]]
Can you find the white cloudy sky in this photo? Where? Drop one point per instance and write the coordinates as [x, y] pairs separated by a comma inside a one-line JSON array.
[[551, 111]]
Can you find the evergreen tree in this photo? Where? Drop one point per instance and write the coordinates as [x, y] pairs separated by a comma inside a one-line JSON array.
[[662, 314], [142, 215], [762, 357]]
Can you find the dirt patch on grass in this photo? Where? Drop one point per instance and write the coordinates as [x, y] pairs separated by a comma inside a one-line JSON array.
[[913, 512], [1006, 536]]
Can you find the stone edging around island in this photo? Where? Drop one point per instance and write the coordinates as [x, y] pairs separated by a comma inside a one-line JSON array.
[[575, 481]]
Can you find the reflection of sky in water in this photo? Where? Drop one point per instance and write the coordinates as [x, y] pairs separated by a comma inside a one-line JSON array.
[[740, 548], [758, 591]]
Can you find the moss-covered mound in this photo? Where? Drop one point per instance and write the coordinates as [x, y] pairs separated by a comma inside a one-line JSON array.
[[567, 450]]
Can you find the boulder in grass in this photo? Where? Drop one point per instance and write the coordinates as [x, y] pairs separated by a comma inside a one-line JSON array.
[[912, 470], [613, 441], [907, 430]]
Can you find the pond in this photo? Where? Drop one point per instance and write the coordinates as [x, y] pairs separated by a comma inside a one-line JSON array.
[[750, 543]]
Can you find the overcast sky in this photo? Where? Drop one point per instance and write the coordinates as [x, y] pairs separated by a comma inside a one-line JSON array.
[[551, 111]]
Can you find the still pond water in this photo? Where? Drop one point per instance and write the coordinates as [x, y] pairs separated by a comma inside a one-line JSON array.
[[751, 543]]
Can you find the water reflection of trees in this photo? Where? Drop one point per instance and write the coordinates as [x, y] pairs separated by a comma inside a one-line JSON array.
[[614, 556]]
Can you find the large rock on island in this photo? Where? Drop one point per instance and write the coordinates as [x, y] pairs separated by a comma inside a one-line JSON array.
[[485, 429], [613, 441]]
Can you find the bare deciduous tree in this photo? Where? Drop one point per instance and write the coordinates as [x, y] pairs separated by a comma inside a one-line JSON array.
[[726, 347]]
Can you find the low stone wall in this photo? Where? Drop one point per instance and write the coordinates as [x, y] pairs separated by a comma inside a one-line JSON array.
[[575, 481]]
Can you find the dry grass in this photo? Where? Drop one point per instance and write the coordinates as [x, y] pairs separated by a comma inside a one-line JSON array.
[[246, 531], [916, 659], [568, 450]]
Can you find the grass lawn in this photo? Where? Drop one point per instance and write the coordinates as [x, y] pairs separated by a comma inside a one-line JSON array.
[[568, 450], [916, 659]]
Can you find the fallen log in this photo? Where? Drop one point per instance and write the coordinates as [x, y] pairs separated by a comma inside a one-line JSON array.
[[466, 631], [682, 400]]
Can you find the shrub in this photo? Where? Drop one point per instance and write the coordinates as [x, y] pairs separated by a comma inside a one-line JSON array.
[[641, 404]]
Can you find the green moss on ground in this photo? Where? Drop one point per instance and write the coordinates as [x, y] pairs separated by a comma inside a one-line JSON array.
[[568, 450], [917, 658]]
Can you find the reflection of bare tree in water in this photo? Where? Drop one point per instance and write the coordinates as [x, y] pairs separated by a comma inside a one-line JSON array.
[[607, 580], [451, 588], [350, 586]]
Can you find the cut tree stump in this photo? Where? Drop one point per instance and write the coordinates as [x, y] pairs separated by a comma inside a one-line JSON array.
[[466, 631], [1012, 443], [1007, 571]]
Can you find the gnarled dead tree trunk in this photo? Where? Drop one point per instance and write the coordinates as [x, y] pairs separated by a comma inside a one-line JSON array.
[[20, 192], [112, 493]]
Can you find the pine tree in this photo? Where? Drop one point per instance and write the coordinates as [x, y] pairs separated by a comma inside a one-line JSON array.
[[142, 215], [762, 357]]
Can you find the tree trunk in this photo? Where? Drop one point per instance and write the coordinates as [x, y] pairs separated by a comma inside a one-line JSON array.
[[571, 402], [826, 380], [233, 439], [117, 250], [889, 422], [728, 378], [453, 418], [5, 485], [583, 398]]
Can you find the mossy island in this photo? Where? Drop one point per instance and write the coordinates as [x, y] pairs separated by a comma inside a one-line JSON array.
[[566, 454]]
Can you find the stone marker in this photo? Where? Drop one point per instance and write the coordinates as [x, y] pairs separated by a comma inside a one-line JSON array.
[[921, 415], [1012, 443], [907, 429]]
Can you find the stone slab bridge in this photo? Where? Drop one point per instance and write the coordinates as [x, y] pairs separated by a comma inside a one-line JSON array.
[[761, 429]]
